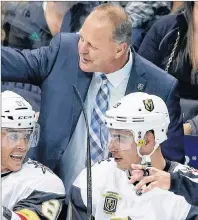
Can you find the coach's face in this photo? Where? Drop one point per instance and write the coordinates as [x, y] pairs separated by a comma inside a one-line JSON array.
[[98, 51]]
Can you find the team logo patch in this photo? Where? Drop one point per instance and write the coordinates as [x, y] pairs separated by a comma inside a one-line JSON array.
[[187, 169], [149, 106], [110, 203], [39, 165], [51, 209]]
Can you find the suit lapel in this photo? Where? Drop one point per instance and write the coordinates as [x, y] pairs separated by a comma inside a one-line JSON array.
[[136, 83], [82, 84], [83, 80]]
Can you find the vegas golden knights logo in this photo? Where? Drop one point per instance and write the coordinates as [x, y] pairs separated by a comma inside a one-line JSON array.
[[149, 106], [110, 203]]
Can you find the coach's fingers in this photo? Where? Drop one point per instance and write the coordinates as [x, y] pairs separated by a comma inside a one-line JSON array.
[[136, 175], [144, 181], [149, 187], [153, 171]]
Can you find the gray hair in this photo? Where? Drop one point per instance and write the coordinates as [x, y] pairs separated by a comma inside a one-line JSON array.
[[123, 33], [121, 21]]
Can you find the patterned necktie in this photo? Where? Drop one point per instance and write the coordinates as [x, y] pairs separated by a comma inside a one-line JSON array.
[[98, 131]]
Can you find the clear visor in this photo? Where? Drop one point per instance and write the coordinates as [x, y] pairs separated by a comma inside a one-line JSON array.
[[120, 140], [29, 137]]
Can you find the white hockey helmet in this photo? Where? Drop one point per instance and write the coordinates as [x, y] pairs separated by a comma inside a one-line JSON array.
[[140, 112], [16, 111], [17, 114]]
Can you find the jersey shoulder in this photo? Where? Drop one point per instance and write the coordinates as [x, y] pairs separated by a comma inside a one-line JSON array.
[[41, 177], [100, 171], [39, 168]]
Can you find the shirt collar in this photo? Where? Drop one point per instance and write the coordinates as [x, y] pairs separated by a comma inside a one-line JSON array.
[[44, 6], [117, 77]]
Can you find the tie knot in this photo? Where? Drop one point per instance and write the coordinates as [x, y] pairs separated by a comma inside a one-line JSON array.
[[103, 77]]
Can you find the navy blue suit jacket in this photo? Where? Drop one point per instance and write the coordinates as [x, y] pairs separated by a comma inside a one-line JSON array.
[[55, 69]]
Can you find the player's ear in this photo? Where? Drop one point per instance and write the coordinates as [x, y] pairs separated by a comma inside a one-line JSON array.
[[149, 138]]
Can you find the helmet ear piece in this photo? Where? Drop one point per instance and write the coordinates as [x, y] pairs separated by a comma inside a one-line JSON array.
[[149, 136]]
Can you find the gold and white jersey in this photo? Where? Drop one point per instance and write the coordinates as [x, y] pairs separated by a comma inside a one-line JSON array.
[[34, 192]]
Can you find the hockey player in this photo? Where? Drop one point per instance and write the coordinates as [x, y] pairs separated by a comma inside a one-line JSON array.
[[30, 191], [137, 125]]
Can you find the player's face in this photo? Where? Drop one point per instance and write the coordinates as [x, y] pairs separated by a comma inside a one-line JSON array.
[[14, 148], [96, 47], [123, 148]]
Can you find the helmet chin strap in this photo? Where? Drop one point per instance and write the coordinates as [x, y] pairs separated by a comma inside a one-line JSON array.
[[146, 159]]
